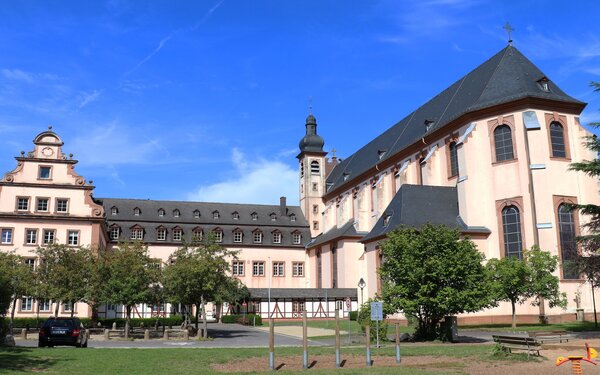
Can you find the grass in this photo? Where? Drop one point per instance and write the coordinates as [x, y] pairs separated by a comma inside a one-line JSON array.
[[184, 361], [573, 326]]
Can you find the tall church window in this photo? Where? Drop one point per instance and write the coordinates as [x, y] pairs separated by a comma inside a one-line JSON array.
[[511, 225], [568, 245], [503, 143], [334, 271], [557, 140], [315, 168], [319, 269], [453, 159]]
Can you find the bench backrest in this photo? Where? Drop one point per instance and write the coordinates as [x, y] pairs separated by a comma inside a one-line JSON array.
[[517, 340]]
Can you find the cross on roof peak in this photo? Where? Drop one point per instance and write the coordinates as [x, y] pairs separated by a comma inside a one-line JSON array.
[[509, 29]]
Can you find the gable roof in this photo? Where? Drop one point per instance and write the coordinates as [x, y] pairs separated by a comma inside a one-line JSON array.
[[416, 205], [345, 231], [505, 77]]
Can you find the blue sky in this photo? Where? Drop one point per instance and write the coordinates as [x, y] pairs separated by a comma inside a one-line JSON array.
[[206, 100]]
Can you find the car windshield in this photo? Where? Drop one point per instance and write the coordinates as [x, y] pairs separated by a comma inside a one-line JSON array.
[[60, 323]]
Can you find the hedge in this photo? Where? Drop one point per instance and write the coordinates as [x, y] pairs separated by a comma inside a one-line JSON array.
[[247, 319], [87, 322]]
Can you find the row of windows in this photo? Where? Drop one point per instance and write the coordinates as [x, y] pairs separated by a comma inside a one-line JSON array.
[[258, 268], [43, 304], [197, 234], [513, 239], [503, 142], [215, 214], [31, 236], [23, 204]]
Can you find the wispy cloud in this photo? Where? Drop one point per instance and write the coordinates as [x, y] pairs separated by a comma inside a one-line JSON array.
[[89, 97], [17, 75], [259, 181]]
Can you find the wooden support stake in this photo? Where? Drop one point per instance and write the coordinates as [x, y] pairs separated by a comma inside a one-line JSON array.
[[146, 334], [337, 338], [305, 340], [271, 344], [368, 344], [166, 335], [398, 359], [106, 334], [24, 334]]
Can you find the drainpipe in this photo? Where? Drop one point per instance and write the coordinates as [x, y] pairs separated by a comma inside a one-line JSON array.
[[536, 233]]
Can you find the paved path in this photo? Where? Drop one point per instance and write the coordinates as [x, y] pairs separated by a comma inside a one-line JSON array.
[[296, 331], [224, 336]]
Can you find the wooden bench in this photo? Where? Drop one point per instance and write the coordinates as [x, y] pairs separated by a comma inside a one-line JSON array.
[[551, 336], [530, 344]]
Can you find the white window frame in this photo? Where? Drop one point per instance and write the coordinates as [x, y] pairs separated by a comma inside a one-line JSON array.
[[298, 269], [114, 233], [45, 304], [177, 234], [277, 237], [49, 236], [39, 201], [297, 238], [58, 205], [26, 303], [258, 268], [237, 268], [137, 234], [278, 269], [7, 236], [161, 234], [30, 262], [20, 200], [73, 237], [257, 237], [218, 236]]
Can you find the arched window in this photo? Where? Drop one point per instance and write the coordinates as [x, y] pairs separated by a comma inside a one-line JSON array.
[[453, 159], [511, 224], [176, 213], [137, 211], [557, 140], [161, 212], [315, 168], [568, 246], [503, 143], [216, 215]]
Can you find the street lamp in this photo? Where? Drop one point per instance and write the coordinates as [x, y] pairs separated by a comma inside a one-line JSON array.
[[361, 285]]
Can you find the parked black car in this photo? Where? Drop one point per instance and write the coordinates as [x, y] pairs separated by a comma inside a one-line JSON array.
[[62, 331]]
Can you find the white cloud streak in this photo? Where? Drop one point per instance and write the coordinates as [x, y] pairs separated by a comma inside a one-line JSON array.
[[89, 97], [258, 181]]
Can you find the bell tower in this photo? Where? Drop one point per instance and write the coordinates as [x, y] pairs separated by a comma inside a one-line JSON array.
[[312, 165]]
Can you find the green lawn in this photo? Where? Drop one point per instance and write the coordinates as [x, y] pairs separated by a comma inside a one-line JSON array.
[[185, 361], [574, 326]]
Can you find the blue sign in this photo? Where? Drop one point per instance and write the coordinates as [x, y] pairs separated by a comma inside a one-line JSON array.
[[376, 311]]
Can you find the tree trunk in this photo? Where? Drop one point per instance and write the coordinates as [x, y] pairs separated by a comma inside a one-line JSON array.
[[56, 309], [197, 315], [72, 308], [594, 302], [204, 322], [514, 317], [127, 318], [12, 316]]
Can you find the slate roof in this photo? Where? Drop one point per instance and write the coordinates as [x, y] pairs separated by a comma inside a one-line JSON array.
[[330, 293], [346, 230], [150, 220], [505, 77], [415, 205]]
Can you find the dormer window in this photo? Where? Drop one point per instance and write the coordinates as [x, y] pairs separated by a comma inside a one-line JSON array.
[[273, 217], [176, 213], [161, 212], [292, 217], [177, 234], [386, 220], [137, 211], [197, 234], [216, 215], [196, 214], [257, 236], [428, 124], [543, 83], [381, 153], [161, 234], [235, 216], [114, 210], [346, 175], [237, 235], [254, 216], [276, 237], [218, 235]]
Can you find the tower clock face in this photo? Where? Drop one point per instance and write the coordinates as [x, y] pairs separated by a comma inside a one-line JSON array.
[[47, 151]]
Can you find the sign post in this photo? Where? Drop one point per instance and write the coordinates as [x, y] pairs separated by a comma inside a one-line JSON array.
[[349, 308], [377, 315]]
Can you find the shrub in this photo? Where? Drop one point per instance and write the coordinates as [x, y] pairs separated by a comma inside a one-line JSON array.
[[247, 319], [364, 318], [353, 315]]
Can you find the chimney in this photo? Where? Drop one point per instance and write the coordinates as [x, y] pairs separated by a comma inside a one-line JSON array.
[[282, 206]]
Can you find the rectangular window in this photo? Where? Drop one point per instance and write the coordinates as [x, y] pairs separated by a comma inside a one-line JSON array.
[[197, 235], [238, 268], [315, 209], [298, 269], [161, 235], [315, 225], [177, 234], [73, 237], [257, 237], [45, 173], [297, 238], [7, 235], [30, 262], [67, 306], [137, 234], [114, 233], [45, 304], [258, 268], [30, 236], [42, 204], [278, 268], [22, 204], [453, 159], [276, 237], [218, 236], [49, 236], [26, 304], [237, 236], [62, 205]]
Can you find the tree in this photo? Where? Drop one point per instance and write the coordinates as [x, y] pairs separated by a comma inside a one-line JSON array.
[[63, 274], [589, 267], [197, 275], [129, 277], [5, 294], [17, 278], [431, 273], [517, 281], [232, 291]]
